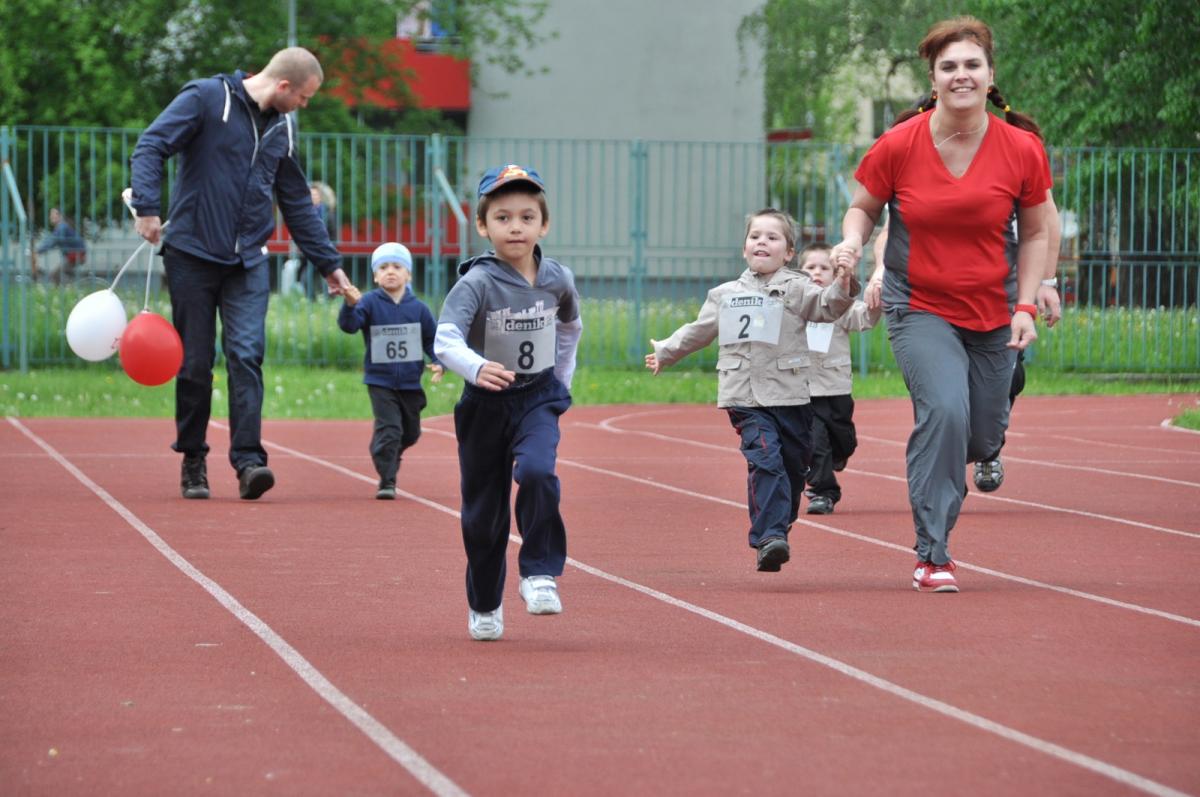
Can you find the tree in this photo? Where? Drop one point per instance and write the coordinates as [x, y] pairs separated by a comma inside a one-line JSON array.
[[1117, 73], [1092, 72], [117, 63], [821, 56]]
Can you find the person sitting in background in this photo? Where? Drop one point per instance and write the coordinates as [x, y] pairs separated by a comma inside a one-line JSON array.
[[69, 242]]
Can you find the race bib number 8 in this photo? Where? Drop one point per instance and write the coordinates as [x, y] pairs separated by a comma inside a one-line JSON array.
[[749, 317], [524, 344], [396, 343]]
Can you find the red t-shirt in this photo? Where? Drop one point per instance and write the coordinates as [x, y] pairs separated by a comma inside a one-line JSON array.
[[956, 264]]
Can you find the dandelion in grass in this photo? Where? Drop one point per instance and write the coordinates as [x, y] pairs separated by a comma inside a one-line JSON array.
[[279, 390], [216, 396], [21, 396]]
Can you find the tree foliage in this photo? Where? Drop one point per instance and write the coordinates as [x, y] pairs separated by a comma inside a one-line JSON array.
[[117, 63], [1092, 72]]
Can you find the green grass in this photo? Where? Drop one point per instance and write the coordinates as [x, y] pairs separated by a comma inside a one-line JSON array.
[[103, 390], [303, 332]]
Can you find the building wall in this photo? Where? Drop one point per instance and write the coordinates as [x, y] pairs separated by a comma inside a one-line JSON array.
[[662, 70]]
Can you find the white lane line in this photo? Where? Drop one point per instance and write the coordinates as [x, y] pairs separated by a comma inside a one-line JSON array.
[[1169, 425], [890, 477], [893, 546], [393, 746], [1103, 768]]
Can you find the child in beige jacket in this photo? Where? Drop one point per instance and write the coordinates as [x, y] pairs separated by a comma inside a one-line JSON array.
[[829, 382], [762, 370]]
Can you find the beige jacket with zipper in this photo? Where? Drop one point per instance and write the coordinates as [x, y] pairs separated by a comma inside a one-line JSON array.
[[831, 373], [759, 374]]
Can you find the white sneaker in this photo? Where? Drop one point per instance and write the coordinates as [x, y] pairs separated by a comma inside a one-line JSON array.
[[486, 625], [541, 595]]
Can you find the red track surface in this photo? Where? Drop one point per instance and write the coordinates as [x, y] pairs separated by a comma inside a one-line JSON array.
[[339, 662]]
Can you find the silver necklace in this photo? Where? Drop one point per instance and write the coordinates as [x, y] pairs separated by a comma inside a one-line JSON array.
[[960, 133]]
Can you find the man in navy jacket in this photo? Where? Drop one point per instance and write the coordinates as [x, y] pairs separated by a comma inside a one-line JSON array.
[[237, 148]]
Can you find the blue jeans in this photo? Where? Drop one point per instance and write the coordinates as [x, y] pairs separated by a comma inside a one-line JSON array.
[[777, 445], [200, 290]]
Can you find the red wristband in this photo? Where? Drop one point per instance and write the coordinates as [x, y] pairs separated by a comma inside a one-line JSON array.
[[1026, 308]]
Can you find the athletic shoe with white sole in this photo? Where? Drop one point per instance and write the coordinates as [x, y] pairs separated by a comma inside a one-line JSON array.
[[928, 577], [541, 595], [989, 475], [486, 626]]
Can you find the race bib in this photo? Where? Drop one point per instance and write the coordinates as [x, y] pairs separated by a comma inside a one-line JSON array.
[[749, 317], [396, 343], [819, 336], [522, 343]]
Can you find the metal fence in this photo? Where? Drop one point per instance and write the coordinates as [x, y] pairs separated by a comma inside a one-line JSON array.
[[647, 227]]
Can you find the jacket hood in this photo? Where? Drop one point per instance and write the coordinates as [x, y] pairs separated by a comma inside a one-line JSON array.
[[490, 258]]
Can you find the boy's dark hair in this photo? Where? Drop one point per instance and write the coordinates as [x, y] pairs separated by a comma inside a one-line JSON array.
[[814, 246], [518, 187]]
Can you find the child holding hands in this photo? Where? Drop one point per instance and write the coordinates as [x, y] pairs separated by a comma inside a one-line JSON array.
[[830, 379], [398, 330], [759, 320]]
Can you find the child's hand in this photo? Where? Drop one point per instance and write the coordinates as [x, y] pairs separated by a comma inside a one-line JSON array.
[[494, 376], [352, 295], [652, 360], [437, 373]]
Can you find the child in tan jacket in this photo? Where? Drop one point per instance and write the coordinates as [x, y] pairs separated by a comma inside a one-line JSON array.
[[759, 321], [829, 382]]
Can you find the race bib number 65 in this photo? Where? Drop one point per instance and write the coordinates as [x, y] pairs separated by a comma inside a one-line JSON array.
[[396, 343], [749, 317]]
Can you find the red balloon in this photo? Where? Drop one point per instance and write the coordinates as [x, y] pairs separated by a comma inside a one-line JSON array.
[[151, 351]]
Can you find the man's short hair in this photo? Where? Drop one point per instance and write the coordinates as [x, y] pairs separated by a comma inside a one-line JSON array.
[[295, 65]]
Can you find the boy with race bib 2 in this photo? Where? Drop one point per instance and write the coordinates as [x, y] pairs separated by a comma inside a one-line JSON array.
[[510, 327], [398, 330], [759, 321]]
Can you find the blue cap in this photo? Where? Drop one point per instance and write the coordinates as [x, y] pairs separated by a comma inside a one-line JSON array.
[[512, 173], [391, 253]]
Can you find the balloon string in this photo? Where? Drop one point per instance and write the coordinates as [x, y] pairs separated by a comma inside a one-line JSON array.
[[127, 196], [149, 273]]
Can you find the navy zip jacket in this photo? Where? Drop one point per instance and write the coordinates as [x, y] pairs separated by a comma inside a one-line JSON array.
[[377, 308], [228, 177]]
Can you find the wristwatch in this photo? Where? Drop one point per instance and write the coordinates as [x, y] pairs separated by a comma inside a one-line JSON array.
[[1051, 283]]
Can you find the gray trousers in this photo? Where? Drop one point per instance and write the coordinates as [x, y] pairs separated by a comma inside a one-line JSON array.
[[958, 380]]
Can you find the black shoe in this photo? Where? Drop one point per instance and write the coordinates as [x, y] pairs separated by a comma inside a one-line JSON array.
[[386, 491], [772, 554], [254, 480], [193, 478], [819, 505]]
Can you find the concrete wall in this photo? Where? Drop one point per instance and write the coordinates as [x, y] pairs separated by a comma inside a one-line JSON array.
[[664, 70]]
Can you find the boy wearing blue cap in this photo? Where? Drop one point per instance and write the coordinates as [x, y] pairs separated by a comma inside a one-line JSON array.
[[510, 327], [398, 331]]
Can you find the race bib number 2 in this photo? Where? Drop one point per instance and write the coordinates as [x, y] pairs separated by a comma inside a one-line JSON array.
[[749, 317], [396, 343]]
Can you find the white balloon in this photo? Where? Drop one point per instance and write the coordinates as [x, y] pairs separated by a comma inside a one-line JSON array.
[[95, 325]]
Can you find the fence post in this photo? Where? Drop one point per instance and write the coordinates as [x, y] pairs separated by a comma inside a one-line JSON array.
[[5, 260], [437, 162], [638, 224]]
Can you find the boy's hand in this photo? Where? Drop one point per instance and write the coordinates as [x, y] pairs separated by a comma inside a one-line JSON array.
[[437, 372], [494, 376], [352, 295], [652, 360]]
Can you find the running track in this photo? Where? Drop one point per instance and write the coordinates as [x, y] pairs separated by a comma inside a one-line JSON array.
[[314, 642]]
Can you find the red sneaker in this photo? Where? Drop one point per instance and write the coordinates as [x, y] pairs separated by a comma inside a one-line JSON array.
[[928, 577]]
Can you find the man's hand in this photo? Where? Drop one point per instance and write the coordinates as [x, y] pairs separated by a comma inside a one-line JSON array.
[[338, 283], [149, 227], [494, 376], [437, 372]]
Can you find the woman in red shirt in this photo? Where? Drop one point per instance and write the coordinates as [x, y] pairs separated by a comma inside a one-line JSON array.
[[957, 309]]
